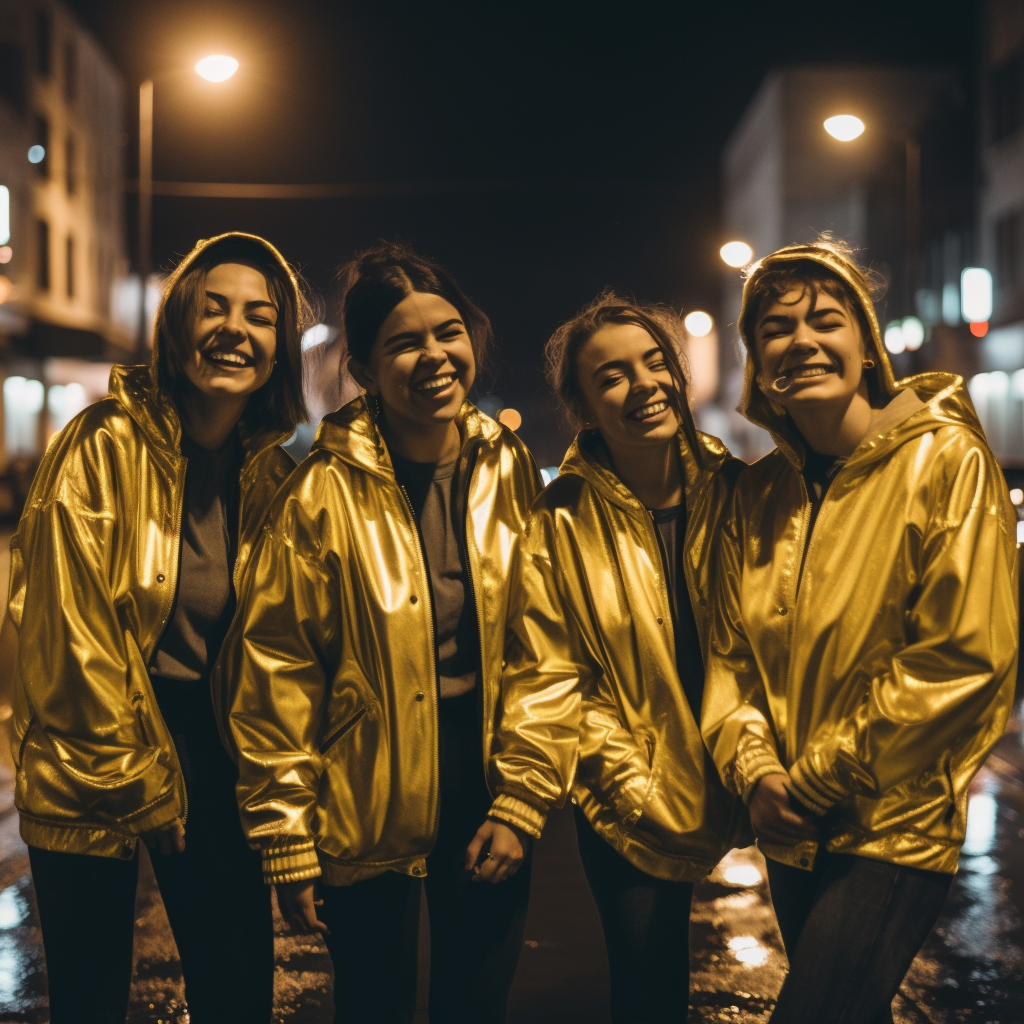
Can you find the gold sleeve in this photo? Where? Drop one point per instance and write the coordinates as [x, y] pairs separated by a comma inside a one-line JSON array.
[[538, 737], [278, 657], [735, 719], [954, 677], [76, 666]]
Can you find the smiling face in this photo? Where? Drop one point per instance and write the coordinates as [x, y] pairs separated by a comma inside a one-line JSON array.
[[810, 350], [421, 365], [627, 388], [234, 342]]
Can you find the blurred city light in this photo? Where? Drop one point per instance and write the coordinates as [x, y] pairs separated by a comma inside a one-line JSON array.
[[748, 950], [743, 874], [736, 254], [6, 254], [894, 338], [698, 323], [981, 825], [36, 154], [23, 401], [913, 333], [844, 127], [1017, 496], [5, 289], [950, 304], [217, 67], [5, 215], [511, 418], [975, 294], [549, 473], [979, 328], [316, 335]]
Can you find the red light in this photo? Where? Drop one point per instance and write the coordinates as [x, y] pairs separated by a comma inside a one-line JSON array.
[[979, 328]]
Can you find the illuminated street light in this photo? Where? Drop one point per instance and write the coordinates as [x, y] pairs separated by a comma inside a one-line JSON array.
[[736, 254], [698, 324], [217, 67], [844, 127], [975, 294]]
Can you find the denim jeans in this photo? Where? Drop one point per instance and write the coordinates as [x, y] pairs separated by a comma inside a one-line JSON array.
[[851, 928]]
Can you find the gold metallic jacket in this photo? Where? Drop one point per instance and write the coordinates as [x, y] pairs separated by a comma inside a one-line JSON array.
[[874, 660], [94, 571], [592, 698], [332, 696]]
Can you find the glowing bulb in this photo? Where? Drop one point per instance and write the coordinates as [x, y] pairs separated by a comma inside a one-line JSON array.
[[217, 67], [844, 127], [511, 418], [736, 254], [36, 154], [698, 323]]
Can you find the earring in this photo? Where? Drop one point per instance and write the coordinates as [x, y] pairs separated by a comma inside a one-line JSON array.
[[869, 363]]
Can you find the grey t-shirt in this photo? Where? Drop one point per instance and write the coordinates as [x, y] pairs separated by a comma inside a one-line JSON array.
[[205, 599], [428, 486]]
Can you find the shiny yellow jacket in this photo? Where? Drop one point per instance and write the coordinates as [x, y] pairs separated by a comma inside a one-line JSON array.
[[874, 659], [592, 699], [94, 568], [94, 572], [332, 694]]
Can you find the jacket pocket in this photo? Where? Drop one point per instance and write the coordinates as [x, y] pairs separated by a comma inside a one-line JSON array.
[[336, 734]]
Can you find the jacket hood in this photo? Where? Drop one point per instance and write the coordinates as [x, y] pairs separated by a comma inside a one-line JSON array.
[[755, 405], [137, 387], [353, 435], [588, 457]]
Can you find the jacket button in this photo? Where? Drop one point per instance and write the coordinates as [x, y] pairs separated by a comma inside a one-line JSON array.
[[420, 695], [413, 599], [660, 620], [804, 862], [160, 577], [782, 611], [417, 870]]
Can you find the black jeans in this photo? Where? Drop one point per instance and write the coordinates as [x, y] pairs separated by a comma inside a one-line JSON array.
[[476, 929], [851, 928], [219, 909], [646, 924]]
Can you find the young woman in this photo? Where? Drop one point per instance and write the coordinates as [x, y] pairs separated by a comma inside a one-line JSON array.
[[605, 653], [122, 581], [367, 661], [864, 636]]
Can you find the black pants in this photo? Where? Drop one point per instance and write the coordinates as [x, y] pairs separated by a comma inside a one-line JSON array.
[[646, 924], [476, 929], [851, 928], [219, 909]]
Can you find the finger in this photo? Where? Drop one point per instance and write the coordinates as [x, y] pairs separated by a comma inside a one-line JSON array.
[[474, 850], [178, 840], [490, 867]]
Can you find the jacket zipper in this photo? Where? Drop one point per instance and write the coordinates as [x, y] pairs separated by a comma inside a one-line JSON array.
[[338, 733], [433, 647]]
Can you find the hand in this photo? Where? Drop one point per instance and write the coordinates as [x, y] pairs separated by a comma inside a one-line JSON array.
[[298, 907], [170, 839], [496, 852], [776, 815]]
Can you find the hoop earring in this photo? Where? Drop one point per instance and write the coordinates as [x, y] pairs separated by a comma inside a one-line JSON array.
[[869, 363]]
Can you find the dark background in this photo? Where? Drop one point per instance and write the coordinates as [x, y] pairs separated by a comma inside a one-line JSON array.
[[547, 150]]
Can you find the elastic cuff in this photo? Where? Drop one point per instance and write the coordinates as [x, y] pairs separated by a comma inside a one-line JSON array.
[[811, 791], [519, 813], [292, 863], [754, 771]]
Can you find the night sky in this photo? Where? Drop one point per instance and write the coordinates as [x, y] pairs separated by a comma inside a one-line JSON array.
[[551, 149]]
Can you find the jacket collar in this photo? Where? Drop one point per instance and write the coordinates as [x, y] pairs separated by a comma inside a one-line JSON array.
[[352, 433], [588, 457]]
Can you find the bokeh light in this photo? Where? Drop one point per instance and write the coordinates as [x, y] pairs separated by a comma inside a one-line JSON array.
[[1017, 496], [5, 289], [736, 254], [36, 154], [217, 67], [6, 254], [698, 324], [913, 333], [894, 338], [844, 127], [511, 418]]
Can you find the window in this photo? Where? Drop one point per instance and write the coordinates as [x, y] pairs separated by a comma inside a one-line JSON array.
[[1007, 88], [69, 265], [43, 255], [70, 179], [41, 137], [70, 71], [1008, 249], [44, 43]]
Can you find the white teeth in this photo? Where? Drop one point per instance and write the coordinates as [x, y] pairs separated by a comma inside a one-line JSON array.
[[646, 411], [435, 383], [232, 358], [808, 371]]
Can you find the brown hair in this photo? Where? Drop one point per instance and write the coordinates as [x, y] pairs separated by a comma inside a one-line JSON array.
[[561, 354], [375, 281], [279, 404]]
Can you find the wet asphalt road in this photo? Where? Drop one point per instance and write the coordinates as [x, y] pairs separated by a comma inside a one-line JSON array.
[[971, 969]]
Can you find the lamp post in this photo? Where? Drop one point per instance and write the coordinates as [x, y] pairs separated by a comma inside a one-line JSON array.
[[216, 68]]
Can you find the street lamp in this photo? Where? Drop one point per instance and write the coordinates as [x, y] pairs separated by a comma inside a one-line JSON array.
[[215, 68], [846, 128]]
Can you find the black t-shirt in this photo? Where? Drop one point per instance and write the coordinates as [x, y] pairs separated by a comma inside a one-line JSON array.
[[670, 527]]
